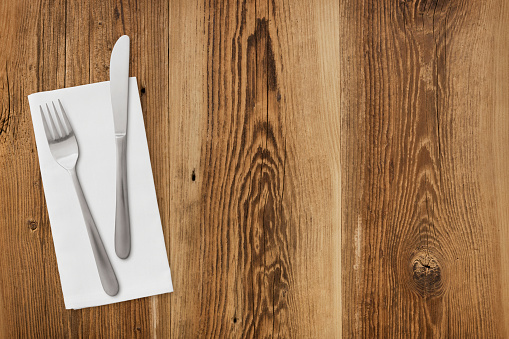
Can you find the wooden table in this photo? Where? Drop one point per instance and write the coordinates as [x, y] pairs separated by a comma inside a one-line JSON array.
[[323, 168]]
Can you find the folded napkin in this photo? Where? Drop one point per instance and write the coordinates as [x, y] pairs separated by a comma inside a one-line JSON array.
[[146, 271]]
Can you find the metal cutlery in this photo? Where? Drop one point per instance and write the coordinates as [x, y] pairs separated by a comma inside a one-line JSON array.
[[64, 148], [119, 87]]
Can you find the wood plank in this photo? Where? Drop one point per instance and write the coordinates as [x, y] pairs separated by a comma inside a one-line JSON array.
[[302, 169], [421, 220], [52, 45], [33, 43], [500, 140], [187, 92], [239, 73], [152, 70], [212, 97]]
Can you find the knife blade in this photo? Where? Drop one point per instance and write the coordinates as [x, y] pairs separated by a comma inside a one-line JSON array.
[[119, 82], [119, 87]]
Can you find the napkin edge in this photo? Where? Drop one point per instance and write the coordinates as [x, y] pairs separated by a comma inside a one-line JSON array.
[[148, 294]]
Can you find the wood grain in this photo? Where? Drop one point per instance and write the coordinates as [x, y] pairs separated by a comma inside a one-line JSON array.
[[245, 238], [243, 129], [323, 169], [423, 146]]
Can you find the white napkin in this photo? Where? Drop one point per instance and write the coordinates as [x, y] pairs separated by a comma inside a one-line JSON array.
[[146, 271]]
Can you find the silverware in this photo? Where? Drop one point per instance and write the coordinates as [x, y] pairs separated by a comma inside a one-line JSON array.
[[119, 86], [64, 148]]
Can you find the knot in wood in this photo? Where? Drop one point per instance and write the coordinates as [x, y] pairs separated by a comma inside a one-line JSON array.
[[427, 274], [32, 224]]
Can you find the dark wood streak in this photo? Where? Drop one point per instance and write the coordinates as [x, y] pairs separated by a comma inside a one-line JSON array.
[[243, 174], [5, 113]]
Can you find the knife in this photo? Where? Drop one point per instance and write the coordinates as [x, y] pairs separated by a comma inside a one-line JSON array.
[[119, 86]]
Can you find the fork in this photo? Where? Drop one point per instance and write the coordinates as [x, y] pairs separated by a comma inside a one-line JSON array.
[[64, 148]]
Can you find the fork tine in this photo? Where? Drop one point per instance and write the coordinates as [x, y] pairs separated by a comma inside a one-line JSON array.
[[49, 134], [66, 121], [59, 121], [52, 123]]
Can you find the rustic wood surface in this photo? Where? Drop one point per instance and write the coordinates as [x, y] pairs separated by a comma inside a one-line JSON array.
[[323, 169], [424, 154]]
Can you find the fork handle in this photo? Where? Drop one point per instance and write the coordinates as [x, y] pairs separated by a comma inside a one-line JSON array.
[[106, 273], [122, 224]]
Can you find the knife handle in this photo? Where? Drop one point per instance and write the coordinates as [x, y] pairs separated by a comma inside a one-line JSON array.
[[106, 273], [122, 225]]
